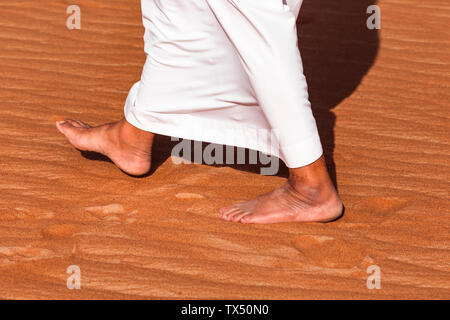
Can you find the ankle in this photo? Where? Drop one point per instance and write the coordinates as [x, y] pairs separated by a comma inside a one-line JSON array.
[[131, 142], [315, 184], [318, 194], [305, 191], [311, 182]]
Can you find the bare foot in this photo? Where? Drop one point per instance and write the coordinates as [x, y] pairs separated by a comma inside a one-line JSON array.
[[308, 195], [128, 147]]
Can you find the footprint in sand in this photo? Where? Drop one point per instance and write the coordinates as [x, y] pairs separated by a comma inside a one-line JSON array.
[[204, 208], [186, 195], [59, 231], [113, 212], [15, 254], [384, 204], [376, 209], [108, 212], [26, 213], [329, 252], [131, 217]]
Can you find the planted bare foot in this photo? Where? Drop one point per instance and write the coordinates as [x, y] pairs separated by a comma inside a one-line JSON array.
[[308, 195], [128, 147]]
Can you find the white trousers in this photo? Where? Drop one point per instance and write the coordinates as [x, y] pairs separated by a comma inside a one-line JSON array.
[[226, 72]]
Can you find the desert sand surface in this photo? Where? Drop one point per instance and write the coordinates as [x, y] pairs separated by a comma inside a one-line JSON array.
[[381, 98]]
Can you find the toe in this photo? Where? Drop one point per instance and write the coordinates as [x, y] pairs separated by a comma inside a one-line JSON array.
[[225, 210], [77, 136], [229, 212], [222, 211], [232, 216], [74, 123], [63, 126], [83, 124], [247, 218], [238, 216]]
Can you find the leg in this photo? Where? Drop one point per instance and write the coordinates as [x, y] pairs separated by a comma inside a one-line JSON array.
[[264, 34], [308, 195], [128, 147], [275, 70]]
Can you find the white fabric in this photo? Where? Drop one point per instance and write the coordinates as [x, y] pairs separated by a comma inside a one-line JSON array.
[[226, 72]]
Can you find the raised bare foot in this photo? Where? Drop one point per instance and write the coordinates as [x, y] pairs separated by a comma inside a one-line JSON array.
[[308, 195], [128, 147]]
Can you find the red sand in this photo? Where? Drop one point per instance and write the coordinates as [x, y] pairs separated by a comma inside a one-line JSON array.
[[382, 104]]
